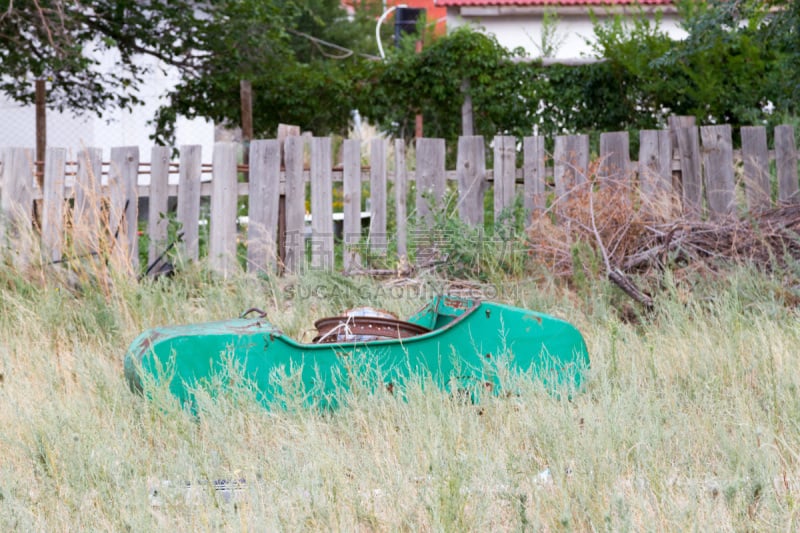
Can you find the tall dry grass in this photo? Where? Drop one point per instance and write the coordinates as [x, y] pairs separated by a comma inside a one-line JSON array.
[[689, 420]]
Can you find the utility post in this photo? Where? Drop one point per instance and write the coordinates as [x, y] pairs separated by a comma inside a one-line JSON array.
[[405, 22], [41, 129], [40, 101], [246, 101]]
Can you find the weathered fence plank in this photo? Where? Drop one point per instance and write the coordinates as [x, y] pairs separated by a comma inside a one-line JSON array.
[[675, 124], [471, 175], [53, 203], [786, 164], [717, 153], [534, 176], [321, 204], [5, 196], [756, 166], [284, 131], [377, 192], [262, 224], [352, 203], [571, 168], [293, 153], [691, 177], [570, 164], [505, 168], [190, 174], [124, 206], [16, 198], [158, 201], [655, 171], [431, 177], [615, 159], [401, 197], [224, 200], [88, 193]]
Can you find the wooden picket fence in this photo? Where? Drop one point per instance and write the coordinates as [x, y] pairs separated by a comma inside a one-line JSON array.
[[696, 164]]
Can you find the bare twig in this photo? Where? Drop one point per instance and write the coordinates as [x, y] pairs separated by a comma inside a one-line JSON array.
[[7, 12], [45, 24], [615, 275]]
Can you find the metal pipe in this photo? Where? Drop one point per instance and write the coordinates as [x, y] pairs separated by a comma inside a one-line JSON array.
[[378, 27]]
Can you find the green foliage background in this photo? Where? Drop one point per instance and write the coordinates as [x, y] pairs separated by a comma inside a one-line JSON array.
[[739, 64]]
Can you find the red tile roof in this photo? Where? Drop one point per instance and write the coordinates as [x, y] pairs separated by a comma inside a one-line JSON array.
[[551, 2]]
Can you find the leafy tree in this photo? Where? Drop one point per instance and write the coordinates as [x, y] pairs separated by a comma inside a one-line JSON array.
[[626, 92], [433, 83], [780, 32], [509, 94], [722, 64], [739, 62], [303, 58], [278, 44], [62, 41]]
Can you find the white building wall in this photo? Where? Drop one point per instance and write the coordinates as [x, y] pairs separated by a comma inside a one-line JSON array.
[[525, 30], [117, 127], [18, 126]]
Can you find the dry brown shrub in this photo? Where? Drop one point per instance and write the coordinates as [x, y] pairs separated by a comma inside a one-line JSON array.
[[606, 214], [634, 234]]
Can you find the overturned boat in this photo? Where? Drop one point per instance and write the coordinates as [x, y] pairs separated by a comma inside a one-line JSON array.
[[459, 344]]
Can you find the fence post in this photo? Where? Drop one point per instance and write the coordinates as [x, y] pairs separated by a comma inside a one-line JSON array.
[[756, 166], [534, 175], [293, 149], [377, 192], [53, 203], [352, 203], [262, 225], [718, 169], [189, 199], [321, 204], [122, 181], [505, 169], [157, 202], [401, 197], [655, 171], [471, 174], [224, 200], [691, 177], [786, 163]]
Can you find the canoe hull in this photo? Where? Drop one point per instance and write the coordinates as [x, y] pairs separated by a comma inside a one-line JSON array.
[[471, 347]]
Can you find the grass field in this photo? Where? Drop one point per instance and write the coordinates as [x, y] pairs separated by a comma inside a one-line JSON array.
[[690, 420]]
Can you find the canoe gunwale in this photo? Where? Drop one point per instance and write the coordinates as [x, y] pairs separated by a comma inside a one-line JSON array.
[[432, 333]]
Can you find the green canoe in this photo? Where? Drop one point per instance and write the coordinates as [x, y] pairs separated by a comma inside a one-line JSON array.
[[458, 344]]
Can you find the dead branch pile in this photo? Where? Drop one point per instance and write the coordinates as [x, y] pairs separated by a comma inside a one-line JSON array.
[[634, 236], [766, 239]]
